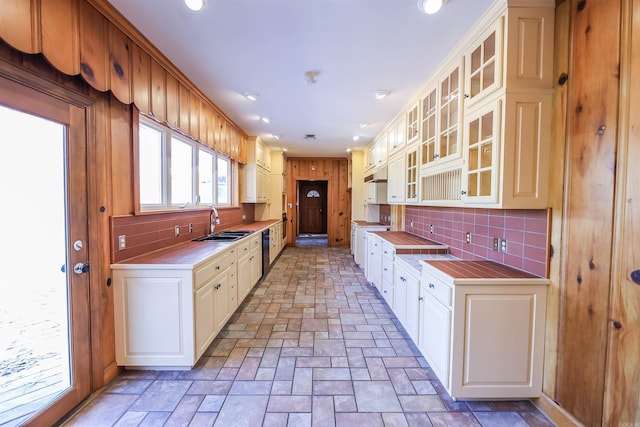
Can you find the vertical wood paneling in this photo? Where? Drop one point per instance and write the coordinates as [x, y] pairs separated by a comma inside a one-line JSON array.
[[556, 193], [204, 124], [172, 97], [120, 54], [60, 34], [593, 101], [19, 24], [334, 171], [141, 79], [94, 47], [185, 110], [194, 116], [158, 95], [622, 393], [122, 179], [211, 128]]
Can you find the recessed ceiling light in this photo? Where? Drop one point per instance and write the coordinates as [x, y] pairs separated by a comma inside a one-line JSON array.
[[380, 94], [285, 149], [194, 5], [363, 125], [430, 6], [275, 136], [265, 119], [252, 96], [355, 137], [348, 150]]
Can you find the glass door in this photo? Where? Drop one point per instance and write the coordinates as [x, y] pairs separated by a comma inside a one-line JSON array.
[[44, 280]]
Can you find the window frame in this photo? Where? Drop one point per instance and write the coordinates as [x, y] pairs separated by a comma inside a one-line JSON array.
[[166, 139]]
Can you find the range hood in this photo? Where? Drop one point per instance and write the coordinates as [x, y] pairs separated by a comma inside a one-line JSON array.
[[379, 175]]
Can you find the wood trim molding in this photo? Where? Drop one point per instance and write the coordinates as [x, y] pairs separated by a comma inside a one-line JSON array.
[[555, 413]]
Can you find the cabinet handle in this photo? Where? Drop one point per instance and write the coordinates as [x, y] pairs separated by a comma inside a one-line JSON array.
[[463, 192], [466, 96], [432, 286], [403, 279], [435, 156], [420, 298], [217, 267]]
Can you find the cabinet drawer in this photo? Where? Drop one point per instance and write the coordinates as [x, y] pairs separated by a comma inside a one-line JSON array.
[[387, 269], [243, 248], [388, 250], [436, 288], [214, 267]]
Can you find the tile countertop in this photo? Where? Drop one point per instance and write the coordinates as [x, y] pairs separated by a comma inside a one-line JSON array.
[[361, 223], [481, 272], [404, 240], [188, 255]]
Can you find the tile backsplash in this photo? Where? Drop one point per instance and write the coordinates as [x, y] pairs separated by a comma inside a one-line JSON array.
[[525, 231], [150, 232]]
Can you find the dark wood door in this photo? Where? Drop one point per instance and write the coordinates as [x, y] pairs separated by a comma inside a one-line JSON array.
[[313, 207]]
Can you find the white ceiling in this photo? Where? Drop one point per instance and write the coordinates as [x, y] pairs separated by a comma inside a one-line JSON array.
[[357, 46]]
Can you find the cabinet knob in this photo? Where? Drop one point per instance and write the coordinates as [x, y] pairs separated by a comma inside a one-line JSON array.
[[463, 192], [420, 298], [435, 156], [403, 279], [466, 96], [432, 286], [217, 267]]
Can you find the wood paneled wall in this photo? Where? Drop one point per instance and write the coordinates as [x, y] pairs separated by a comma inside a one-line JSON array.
[[334, 171], [90, 38]]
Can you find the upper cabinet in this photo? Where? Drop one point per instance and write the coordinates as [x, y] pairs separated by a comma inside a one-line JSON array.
[[256, 183], [375, 155], [482, 120]]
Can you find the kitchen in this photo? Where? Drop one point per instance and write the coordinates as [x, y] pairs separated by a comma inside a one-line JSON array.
[[592, 273]]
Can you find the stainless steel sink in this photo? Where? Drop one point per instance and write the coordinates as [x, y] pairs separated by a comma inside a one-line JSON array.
[[224, 236]]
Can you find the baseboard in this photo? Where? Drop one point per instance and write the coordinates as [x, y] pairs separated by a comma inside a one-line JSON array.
[[555, 413]]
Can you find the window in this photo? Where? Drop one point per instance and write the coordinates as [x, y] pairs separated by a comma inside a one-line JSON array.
[[176, 172], [313, 193]]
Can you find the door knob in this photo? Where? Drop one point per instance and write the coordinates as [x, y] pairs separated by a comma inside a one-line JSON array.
[[80, 268]]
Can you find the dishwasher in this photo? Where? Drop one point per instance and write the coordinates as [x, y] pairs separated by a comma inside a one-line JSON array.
[[266, 265]]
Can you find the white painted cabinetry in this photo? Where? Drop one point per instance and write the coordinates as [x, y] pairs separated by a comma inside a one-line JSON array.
[[374, 260], [256, 174]]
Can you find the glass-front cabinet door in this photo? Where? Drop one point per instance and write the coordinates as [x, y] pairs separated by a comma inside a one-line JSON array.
[[481, 154], [450, 110], [428, 123], [483, 64], [411, 194]]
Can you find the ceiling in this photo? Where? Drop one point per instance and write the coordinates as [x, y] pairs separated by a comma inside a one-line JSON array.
[[231, 47]]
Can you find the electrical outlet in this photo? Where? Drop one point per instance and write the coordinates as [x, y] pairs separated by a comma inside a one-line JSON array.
[[496, 244], [468, 237], [177, 230], [503, 245], [190, 228], [122, 242], [431, 229], [411, 224], [244, 216]]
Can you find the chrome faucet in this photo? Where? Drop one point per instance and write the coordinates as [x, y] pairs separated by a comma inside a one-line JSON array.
[[213, 219]]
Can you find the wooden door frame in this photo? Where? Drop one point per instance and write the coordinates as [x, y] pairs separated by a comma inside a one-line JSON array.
[[32, 80], [325, 184]]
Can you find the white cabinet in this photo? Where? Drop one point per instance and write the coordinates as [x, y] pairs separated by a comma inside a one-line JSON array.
[[484, 338], [507, 152], [388, 255], [360, 248], [256, 183], [407, 298], [412, 123], [396, 140], [396, 179], [435, 326], [376, 154], [275, 241], [166, 316], [411, 175], [376, 193], [373, 271]]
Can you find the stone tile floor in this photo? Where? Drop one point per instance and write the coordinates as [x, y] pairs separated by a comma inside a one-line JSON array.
[[312, 345]]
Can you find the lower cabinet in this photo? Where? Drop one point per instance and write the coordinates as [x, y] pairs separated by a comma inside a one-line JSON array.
[[373, 271], [484, 339], [166, 316], [407, 298]]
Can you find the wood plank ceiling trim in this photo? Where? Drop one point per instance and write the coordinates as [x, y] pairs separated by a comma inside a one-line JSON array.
[[91, 38]]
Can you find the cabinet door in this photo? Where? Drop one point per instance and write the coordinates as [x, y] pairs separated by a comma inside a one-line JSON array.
[[482, 150], [374, 260], [483, 64], [435, 335], [428, 124], [449, 106], [413, 306], [249, 194], [244, 277], [255, 260], [220, 300], [411, 177], [400, 295], [205, 329], [387, 291], [412, 123], [396, 180]]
